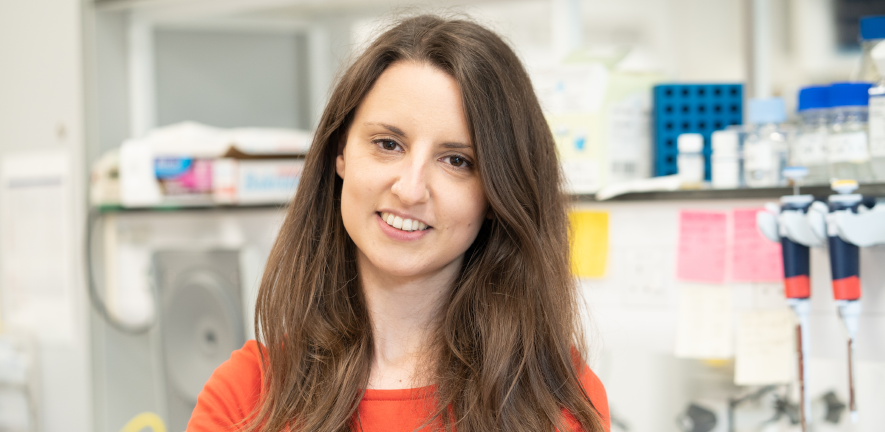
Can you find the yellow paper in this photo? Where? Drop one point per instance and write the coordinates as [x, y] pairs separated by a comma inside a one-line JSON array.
[[589, 243]]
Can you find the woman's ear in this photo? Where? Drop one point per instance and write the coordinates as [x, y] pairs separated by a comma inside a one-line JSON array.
[[339, 160], [490, 213]]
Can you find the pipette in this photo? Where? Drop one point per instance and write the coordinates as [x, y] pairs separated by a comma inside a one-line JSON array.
[[845, 268], [788, 225]]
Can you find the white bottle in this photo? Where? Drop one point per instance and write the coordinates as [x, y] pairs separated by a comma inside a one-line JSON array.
[[847, 141], [690, 161], [765, 147], [726, 159], [877, 115]]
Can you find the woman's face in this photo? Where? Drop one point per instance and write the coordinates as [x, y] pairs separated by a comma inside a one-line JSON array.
[[412, 200]]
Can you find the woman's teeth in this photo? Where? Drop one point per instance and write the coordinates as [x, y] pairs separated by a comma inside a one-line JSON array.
[[403, 224]]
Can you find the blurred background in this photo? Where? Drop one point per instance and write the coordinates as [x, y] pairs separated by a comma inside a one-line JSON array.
[[148, 149]]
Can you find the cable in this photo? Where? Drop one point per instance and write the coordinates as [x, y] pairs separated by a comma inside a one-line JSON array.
[[95, 298]]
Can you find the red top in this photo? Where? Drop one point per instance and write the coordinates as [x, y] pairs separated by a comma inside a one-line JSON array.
[[233, 390]]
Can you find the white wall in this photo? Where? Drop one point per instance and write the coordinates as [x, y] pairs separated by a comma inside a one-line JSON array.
[[633, 330], [41, 107]]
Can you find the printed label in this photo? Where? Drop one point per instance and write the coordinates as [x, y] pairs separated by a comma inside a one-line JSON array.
[[848, 147], [877, 126], [810, 149], [759, 156]]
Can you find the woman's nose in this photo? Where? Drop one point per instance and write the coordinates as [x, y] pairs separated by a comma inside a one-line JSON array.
[[411, 185]]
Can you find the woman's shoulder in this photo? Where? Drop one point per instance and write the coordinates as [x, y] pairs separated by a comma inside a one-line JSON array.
[[232, 392], [596, 392]]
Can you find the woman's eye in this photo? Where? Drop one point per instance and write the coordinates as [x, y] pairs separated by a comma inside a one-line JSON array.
[[388, 144], [458, 161]]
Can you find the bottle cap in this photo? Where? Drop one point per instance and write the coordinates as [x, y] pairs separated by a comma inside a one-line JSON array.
[[795, 173], [768, 110], [690, 143], [724, 142], [813, 97], [872, 27], [844, 186], [849, 94]]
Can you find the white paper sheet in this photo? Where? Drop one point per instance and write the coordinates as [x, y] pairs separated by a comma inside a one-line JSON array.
[[766, 347], [704, 325], [35, 244]]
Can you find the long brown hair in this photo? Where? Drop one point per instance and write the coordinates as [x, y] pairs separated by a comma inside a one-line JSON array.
[[510, 328]]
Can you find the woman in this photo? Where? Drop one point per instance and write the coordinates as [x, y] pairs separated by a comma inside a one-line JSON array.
[[421, 278]]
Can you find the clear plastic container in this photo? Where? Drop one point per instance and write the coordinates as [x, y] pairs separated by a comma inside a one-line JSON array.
[[766, 148], [872, 31], [809, 147], [847, 142]]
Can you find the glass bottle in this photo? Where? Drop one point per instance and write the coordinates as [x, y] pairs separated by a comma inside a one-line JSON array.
[[847, 143], [877, 116], [872, 31], [809, 148], [765, 146]]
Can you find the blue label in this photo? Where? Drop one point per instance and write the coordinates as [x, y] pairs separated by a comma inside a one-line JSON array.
[[269, 183], [171, 167]]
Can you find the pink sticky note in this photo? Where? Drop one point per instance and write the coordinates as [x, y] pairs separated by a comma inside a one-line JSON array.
[[702, 244], [754, 257]]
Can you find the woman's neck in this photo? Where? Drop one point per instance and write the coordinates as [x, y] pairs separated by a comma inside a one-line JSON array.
[[405, 313]]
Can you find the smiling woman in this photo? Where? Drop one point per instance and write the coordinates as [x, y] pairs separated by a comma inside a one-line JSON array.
[[420, 280]]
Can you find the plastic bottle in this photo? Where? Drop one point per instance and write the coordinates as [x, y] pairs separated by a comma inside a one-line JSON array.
[[690, 161], [872, 31], [726, 163], [809, 148], [847, 143], [765, 147], [877, 116]]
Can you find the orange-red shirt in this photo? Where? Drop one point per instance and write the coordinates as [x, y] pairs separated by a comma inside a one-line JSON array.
[[233, 391]]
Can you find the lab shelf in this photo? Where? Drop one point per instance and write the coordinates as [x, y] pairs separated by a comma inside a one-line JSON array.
[[870, 189]]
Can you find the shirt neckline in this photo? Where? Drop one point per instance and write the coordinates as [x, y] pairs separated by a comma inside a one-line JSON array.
[[398, 394]]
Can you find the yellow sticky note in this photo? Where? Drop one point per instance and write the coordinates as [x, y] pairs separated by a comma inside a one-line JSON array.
[[589, 240]]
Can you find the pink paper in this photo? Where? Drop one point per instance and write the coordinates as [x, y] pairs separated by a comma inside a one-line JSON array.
[[702, 244], [754, 257]]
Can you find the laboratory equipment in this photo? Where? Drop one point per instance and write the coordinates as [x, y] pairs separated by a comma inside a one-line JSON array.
[[696, 418], [765, 147], [788, 225], [847, 144], [691, 160], [845, 268], [201, 321], [691, 108], [877, 115], [809, 148], [872, 31], [726, 161], [849, 226]]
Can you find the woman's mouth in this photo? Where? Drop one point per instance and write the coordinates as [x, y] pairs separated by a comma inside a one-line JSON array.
[[403, 224]]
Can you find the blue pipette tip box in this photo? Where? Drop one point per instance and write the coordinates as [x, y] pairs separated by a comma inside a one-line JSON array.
[[692, 108]]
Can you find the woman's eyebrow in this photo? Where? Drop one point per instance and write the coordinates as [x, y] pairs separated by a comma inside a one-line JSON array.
[[398, 131], [456, 145], [391, 128]]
